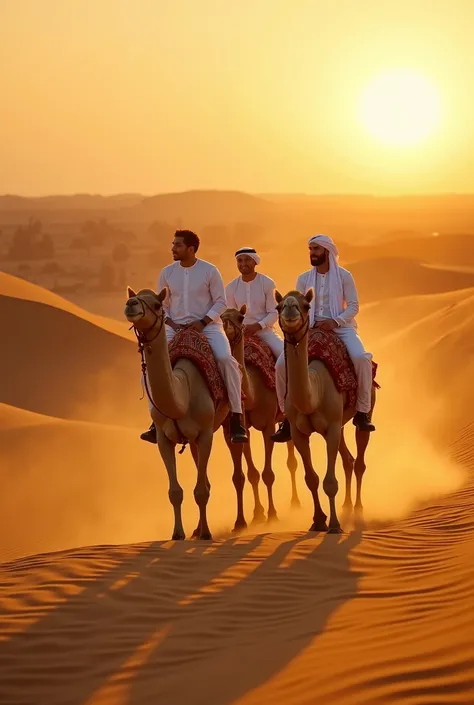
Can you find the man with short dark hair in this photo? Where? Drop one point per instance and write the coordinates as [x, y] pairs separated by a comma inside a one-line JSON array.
[[195, 299]]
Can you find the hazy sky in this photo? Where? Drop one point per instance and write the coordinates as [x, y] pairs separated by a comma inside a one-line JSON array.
[[107, 96]]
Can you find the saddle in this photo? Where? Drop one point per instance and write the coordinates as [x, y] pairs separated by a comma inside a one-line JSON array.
[[189, 344], [259, 354], [329, 348]]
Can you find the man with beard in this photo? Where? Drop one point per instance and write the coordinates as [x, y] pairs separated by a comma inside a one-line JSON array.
[[195, 299], [256, 291], [334, 307]]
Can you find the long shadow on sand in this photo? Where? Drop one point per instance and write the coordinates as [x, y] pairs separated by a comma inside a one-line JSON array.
[[254, 629], [182, 624]]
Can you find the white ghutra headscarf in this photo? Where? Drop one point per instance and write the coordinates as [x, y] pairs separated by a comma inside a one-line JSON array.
[[249, 252], [336, 295]]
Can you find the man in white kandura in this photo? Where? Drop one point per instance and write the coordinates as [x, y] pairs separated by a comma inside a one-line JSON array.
[[256, 291], [334, 307], [196, 299]]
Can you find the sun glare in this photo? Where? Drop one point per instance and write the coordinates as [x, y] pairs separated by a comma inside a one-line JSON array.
[[400, 108]]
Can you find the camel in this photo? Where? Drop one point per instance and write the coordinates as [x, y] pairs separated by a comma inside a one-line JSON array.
[[182, 406], [260, 412], [313, 404]]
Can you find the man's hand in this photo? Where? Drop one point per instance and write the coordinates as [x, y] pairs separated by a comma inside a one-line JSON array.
[[330, 324], [174, 326], [252, 328], [196, 325]]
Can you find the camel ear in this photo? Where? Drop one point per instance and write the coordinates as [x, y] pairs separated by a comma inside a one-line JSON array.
[[309, 296], [243, 309], [162, 294], [278, 296], [130, 292]]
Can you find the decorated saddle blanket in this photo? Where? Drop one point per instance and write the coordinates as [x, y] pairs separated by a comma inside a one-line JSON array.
[[329, 348], [194, 346], [258, 353]]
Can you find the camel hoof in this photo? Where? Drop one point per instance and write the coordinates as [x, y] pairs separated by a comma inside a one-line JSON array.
[[319, 526], [258, 518], [178, 536], [346, 513], [206, 536], [359, 520], [335, 530], [272, 518], [239, 527], [196, 533]]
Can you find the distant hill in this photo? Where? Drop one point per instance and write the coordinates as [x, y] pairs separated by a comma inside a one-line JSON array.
[[80, 201], [203, 207], [359, 220]]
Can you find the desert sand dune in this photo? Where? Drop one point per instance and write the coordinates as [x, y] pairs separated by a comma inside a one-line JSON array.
[[380, 279], [71, 363], [454, 249], [16, 288], [378, 617]]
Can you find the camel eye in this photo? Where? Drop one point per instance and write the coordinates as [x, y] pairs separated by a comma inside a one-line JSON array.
[[241, 318], [157, 306], [306, 306]]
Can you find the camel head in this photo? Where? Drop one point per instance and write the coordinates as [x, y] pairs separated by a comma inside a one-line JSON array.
[[233, 322], [145, 309], [293, 310]]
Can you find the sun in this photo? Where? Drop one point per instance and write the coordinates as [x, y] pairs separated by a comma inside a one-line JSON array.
[[400, 108]]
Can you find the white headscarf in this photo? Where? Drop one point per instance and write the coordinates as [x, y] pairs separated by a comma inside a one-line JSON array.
[[249, 252], [336, 295]]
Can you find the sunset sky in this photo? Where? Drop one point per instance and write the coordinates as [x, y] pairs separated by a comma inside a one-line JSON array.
[[109, 96]]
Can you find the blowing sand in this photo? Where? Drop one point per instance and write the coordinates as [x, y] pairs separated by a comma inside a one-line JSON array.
[[97, 606]]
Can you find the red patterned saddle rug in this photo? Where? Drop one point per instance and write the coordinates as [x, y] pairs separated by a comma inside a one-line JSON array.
[[329, 348], [194, 346], [258, 353]]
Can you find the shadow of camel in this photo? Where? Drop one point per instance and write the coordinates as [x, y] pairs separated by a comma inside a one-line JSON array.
[[224, 620], [236, 643], [79, 639]]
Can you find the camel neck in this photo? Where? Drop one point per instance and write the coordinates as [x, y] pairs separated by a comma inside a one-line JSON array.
[[169, 389], [301, 393]]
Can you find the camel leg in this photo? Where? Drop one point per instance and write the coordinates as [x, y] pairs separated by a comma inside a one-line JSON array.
[[175, 493], [348, 464], [301, 442], [253, 477], [238, 478], [292, 466], [268, 476], [330, 484], [362, 441], [194, 453], [202, 489]]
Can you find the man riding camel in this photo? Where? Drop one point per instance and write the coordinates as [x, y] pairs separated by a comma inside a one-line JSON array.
[[195, 299], [256, 291], [334, 307]]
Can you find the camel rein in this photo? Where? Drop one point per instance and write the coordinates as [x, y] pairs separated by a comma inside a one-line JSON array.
[[143, 340], [238, 332], [290, 339]]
